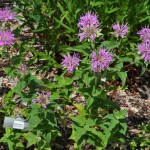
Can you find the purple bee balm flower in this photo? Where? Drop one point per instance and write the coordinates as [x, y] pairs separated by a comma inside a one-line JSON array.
[[144, 34], [7, 14], [120, 30], [102, 60], [22, 69], [70, 62], [88, 26], [6, 38], [42, 99], [144, 50]]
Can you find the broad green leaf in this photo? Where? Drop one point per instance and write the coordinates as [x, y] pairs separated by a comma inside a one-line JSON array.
[[77, 133], [31, 138], [19, 145], [48, 137], [80, 120], [34, 121], [87, 79], [122, 76]]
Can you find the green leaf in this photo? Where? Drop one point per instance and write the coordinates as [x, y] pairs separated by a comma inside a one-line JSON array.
[[8, 95], [126, 59], [31, 138], [123, 76], [90, 101], [90, 122], [120, 114], [81, 109], [78, 74], [55, 95], [124, 127], [44, 56], [77, 133], [34, 121], [48, 137], [63, 81], [16, 60], [80, 120], [113, 10], [110, 44], [8, 141], [19, 145], [10, 71], [87, 79], [20, 86], [64, 25], [119, 65], [79, 48], [98, 4], [39, 30], [145, 18]]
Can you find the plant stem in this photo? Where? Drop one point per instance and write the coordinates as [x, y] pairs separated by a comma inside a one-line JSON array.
[[97, 74]]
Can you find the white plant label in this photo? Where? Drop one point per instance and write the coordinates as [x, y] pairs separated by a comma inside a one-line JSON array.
[[18, 125]]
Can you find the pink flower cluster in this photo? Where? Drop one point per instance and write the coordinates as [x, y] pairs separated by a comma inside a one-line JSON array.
[[120, 30], [6, 38], [144, 47], [42, 99], [6, 14], [89, 26], [101, 60], [144, 34], [70, 62]]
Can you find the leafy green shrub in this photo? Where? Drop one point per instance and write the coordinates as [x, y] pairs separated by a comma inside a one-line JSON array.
[[93, 62]]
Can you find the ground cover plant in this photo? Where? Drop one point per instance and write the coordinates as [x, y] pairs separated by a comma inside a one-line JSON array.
[[71, 71]]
